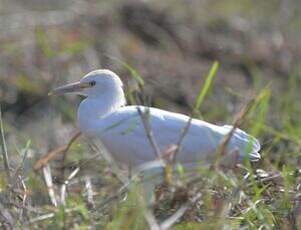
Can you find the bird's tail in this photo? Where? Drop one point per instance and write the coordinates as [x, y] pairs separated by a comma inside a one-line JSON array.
[[245, 139]]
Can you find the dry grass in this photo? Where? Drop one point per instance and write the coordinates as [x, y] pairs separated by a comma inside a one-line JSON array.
[[172, 45]]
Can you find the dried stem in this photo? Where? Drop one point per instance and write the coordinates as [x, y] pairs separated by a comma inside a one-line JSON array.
[[66, 182], [181, 138], [102, 151], [168, 223], [6, 218], [52, 154], [4, 149], [89, 190], [151, 220], [237, 122], [145, 115], [49, 184]]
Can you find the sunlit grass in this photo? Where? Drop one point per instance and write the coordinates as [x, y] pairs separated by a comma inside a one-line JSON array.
[[262, 195], [245, 197], [227, 198]]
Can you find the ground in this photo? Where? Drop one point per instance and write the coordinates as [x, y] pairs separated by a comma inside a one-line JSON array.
[[172, 45]]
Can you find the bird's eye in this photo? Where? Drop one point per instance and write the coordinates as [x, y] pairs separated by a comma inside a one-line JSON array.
[[92, 83]]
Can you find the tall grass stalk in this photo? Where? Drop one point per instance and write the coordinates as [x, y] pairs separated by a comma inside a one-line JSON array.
[[4, 149]]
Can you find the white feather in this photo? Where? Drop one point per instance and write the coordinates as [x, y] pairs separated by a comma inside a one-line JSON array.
[[103, 114]]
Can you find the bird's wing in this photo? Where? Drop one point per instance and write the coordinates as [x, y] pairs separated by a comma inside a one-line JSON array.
[[125, 136]]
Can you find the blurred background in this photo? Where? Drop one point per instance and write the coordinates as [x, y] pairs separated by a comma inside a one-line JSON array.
[[172, 44]]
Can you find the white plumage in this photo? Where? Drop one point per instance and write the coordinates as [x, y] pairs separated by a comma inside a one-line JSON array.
[[103, 114]]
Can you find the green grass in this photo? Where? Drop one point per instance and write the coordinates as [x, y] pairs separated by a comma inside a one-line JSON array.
[[262, 195], [245, 197]]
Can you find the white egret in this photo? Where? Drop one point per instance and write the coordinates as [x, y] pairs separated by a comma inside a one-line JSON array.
[[104, 114]]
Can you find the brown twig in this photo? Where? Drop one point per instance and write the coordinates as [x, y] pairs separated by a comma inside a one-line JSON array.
[[181, 138], [52, 154], [237, 122], [145, 115]]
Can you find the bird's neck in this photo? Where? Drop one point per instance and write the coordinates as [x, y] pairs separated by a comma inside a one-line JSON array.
[[92, 109]]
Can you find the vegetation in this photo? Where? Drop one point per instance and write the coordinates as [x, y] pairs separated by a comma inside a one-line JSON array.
[[216, 60]]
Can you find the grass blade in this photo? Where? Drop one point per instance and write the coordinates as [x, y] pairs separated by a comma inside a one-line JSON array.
[[4, 148], [207, 84], [134, 73]]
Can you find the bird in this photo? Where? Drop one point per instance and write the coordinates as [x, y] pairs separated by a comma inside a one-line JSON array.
[[104, 114]]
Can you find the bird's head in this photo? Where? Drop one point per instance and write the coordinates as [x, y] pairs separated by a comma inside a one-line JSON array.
[[94, 84]]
